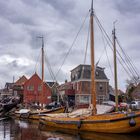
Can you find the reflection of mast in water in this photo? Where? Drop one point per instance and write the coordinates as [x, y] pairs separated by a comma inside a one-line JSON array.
[[4, 130], [105, 136]]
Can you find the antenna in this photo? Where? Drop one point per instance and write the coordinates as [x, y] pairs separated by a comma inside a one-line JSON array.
[[42, 40], [115, 23], [92, 11]]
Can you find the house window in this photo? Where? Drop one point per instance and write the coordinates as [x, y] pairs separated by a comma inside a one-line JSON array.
[[101, 98], [97, 73], [84, 99], [77, 86], [100, 87], [30, 88], [39, 88]]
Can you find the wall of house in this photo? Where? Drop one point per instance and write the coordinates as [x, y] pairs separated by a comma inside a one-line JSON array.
[[82, 91], [102, 91], [33, 91], [82, 87]]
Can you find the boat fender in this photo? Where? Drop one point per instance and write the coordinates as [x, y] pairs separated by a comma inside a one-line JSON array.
[[79, 124], [132, 122]]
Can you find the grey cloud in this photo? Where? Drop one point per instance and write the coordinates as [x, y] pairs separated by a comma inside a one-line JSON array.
[[59, 21], [129, 7], [13, 64], [64, 7], [15, 12]]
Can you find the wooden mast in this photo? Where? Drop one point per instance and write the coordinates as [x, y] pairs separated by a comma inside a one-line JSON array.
[[42, 83], [93, 92], [42, 70], [115, 68]]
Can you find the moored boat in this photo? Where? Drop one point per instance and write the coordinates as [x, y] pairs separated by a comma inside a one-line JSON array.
[[36, 114], [106, 123], [116, 122]]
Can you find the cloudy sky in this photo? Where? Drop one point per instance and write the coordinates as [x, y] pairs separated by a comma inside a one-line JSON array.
[[58, 21]]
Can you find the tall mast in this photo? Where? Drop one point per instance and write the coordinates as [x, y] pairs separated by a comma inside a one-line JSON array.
[[42, 59], [42, 83], [93, 92], [42, 71], [115, 68]]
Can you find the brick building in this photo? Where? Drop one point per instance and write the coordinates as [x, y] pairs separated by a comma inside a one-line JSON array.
[[18, 87], [33, 91], [80, 78], [8, 90], [67, 92]]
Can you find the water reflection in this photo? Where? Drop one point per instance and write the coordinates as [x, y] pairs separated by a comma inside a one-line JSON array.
[[23, 130], [98, 136], [29, 131], [102, 136], [6, 130]]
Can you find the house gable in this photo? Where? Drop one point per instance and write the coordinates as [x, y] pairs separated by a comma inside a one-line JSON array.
[[33, 91], [21, 80]]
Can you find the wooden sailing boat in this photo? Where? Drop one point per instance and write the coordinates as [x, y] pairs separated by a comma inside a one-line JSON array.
[[116, 122], [35, 114]]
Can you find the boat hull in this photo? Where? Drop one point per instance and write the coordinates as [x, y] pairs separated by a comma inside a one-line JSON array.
[[106, 123], [37, 114]]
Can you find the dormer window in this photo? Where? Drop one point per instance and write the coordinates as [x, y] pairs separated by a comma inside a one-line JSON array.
[[97, 73]]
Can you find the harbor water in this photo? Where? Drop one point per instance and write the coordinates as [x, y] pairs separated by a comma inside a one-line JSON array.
[[11, 129]]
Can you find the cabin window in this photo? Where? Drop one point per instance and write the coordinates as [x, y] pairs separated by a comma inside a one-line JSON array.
[[30, 88]]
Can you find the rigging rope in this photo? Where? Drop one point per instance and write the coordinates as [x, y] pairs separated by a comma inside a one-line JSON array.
[[105, 48], [51, 71], [128, 58], [35, 70], [87, 42], [110, 45], [71, 45], [49, 67]]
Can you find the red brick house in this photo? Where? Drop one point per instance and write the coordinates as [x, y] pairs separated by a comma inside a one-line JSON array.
[[67, 92], [19, 86], [80, 77], [80, 85], [33, 91]]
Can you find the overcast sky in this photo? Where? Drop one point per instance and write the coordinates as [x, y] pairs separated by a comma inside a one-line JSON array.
[[21, 21]]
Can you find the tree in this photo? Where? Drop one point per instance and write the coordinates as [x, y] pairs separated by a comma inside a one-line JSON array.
[[134, 80], [130, 87]]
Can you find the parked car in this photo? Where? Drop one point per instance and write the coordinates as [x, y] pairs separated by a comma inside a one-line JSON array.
[[135, 105]]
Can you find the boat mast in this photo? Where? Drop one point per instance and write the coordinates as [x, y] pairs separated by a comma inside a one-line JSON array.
[[42, 70], [115, 68], [42, 83], [93, 92]]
